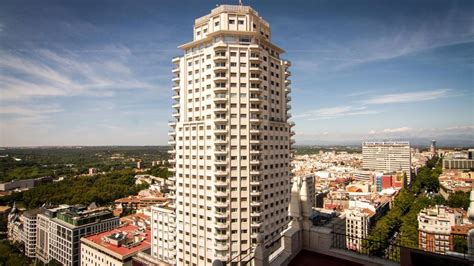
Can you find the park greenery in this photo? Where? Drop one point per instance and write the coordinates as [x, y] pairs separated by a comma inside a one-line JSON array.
[[24, 163], [102, 189]]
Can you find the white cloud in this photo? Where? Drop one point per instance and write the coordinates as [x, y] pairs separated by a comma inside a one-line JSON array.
[[335, 112], [416, 96], [397, 130]]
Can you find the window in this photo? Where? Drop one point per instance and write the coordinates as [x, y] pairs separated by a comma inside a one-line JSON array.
[[241, 22], [231, 21]]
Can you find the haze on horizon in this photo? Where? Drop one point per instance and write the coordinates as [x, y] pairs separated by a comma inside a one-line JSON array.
[[99, 72]]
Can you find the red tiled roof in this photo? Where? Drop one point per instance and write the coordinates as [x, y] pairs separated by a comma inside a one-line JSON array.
[[96, 241]]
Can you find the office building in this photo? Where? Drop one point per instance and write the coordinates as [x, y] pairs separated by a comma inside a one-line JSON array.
[[231, 138], [387, 156], [60, 229]]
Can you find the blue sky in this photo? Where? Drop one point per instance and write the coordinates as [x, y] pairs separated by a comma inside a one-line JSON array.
[[99, 72]]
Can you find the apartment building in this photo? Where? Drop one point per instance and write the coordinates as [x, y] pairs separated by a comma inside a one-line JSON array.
[[59, 231], [387, 156], [434, 227], [22, 229], [231, 138], [163, 221], [357, 226]]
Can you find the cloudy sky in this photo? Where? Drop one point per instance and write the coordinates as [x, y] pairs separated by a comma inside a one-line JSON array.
[[99, 72]]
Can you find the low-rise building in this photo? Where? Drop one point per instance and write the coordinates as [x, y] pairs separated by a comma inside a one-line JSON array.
[[114, 247], [163, 226]]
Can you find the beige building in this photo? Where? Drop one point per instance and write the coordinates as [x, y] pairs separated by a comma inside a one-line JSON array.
[[231, 138], [163, 243], [357, 227], [434, 227]]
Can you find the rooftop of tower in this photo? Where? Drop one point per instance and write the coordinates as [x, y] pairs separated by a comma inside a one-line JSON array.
[[236, 9]]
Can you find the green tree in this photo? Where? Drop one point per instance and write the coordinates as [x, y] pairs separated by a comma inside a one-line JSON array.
[[459, 199]]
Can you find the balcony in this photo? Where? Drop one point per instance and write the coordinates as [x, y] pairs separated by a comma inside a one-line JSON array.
[[220, 98], [256, 214], [175, 114], [287, 73], [175, 70], [220, 131], [223, 162], [288, 90], [255, 69], [255, 131], [256, 99], [220, 57], [255, 204], [292, 133], [220, 68], [255, 141], [256, 90], [255, 162], [218, 79], [221, 247], [220, 215], [220, 119], [220, 183], [172, 178], [220, 45], [288, 98], [255, 182], [175, 80], [171, 133], [175, 106], [254, 58], [221, 225], [172, 142], [219, 193], [172, 151], [220, 110], [291, 123], [255, 193], [221, 236], [176, 97], [287, 63], [220, 173], [220, 90], [288, 115], [175, 88], [287, 82], [220, 204], [176, 59], [253, 151], [255, 224], [172, 123], [255, 110], [255, 172], [220, 151], [255, 120], [288, 107]]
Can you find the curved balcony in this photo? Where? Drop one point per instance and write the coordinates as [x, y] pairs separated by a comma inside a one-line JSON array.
[[255, 69], [288, 107], [255, 58], [288, 90], [255, 224], [218, 58], [220, 214], [220, 79], [172, 123], [255, 172], [220, 173], [220, 183], [287, 63], [172, 142], [255, 110], [254, 47], [175, 70], [176, 97], [255, 141], [292, 133], [291, 123], [221, 204], [175, 59], [220, 68], [171, 133], [255, 204], [220, 110], [221, 247], [221, 236], [175, 80], [256, 99], [222, 194], [220, 152], [220, 131], [171, 187], [288, 98], [255, 79], [223, 162], [172, 151], [175, 114], [255, 151], [220, 89], [254, 183], [287, 73], [175, 106], [172, 178], [255, 193], [220, 120], [256, 90], [220, 45], [287, 82], [220, 98], [288, 115], [171, 169], [255, 162], [255, 131], [256, 214], [175, 88], [255, 120]]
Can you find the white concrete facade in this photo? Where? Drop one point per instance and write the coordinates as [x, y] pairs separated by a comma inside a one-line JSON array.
[[387, 156], [231, 138], [163, 243]]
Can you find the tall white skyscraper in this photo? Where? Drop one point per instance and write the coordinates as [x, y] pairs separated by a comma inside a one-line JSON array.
[[231, 138], [387, 156]]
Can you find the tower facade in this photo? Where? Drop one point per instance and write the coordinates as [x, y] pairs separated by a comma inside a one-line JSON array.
[[231, 138]]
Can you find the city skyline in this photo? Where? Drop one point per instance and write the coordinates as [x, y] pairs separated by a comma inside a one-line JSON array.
[[100, 73]]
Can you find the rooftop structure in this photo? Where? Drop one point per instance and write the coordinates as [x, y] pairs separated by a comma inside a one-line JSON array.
[[114, 247]]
